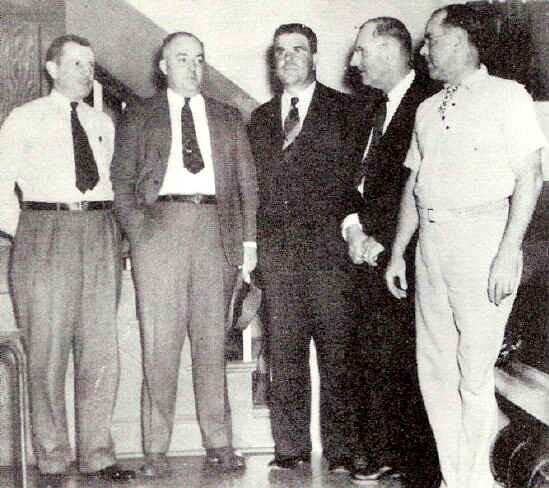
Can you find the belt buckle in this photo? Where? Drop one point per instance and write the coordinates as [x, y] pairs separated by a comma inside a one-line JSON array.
[[430, 216], [75, 206], [196, 198]]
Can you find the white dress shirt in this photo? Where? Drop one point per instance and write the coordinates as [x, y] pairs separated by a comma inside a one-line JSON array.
[[394, 97], [179, 180], [305, 98], [36, 152]]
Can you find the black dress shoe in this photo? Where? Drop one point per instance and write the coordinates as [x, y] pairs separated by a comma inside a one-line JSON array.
[[51, 480], [305, 457], [114, 473], [286, 462], [339, 465], [225, 459], [370, 473]]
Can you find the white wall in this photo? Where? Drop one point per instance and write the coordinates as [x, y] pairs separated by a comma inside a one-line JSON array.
[[238, 33]]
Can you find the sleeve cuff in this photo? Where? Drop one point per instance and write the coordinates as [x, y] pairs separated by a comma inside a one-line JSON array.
[[351, 219]]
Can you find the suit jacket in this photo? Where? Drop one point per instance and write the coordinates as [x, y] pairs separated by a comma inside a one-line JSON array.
[[141, 158], [304, 191], [386, 174]]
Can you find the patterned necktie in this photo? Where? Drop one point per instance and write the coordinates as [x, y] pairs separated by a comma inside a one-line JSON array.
[[376, 134], [192, 158], [449, 92], [291, 123], [84, 163]]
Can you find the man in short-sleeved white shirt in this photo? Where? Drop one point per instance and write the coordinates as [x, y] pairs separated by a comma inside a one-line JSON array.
[[475, 179]]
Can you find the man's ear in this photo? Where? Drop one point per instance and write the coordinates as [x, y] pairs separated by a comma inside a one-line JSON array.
[[315, 59], [163, 67], [51, 68]]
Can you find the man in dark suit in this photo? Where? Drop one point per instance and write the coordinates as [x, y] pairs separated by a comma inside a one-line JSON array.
[[392, 432], [186, 196], [298, 140]]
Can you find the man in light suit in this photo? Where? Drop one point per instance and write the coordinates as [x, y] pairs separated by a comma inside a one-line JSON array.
[[391, 424], [298, 140], [185, 194]]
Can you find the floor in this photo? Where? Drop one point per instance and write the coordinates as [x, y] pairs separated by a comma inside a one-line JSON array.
[[189, 472]]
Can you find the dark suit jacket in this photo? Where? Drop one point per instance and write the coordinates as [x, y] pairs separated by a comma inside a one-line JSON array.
[[141, 158], [386, 174], [306, 190]]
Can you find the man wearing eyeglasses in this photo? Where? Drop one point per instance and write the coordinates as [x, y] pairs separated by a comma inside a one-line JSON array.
[[185, 194]]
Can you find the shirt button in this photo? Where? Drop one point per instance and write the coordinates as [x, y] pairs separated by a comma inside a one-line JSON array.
[[447, 127]]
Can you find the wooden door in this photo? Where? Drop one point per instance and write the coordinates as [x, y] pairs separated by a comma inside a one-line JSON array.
[[20, 71]]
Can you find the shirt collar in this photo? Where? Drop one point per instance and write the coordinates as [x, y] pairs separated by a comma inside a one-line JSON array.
[[61, 100], [474, 78], [396, 94], [177, 101], [305, 96]]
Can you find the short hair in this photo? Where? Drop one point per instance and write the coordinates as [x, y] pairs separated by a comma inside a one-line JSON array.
[[391, 27], [298, 29], [468, 19], [56, 47], [174, 35]]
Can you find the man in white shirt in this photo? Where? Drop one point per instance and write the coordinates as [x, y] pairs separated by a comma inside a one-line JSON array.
[[475, 178], [185, 194], [391, 426], [66, 261]]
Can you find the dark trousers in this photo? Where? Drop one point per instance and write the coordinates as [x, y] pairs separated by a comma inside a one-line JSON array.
[[301, 306], [390, 423], [66, 281], [181, 277]]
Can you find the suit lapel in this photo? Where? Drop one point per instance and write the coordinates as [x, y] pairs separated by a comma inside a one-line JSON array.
[[406, 104], [217, 136], [313, 119], [275, 123], [158, 130]]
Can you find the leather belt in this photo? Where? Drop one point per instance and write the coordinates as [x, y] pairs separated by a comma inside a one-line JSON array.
[[67, 206], [445, 215], [196, 198]]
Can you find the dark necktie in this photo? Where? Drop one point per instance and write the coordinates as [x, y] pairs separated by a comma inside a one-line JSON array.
[[192, 159], [291, 123], [376, 134], [84, 162]]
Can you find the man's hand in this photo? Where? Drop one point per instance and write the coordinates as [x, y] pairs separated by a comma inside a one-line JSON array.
[[372, 251], [504, 273], [249, 262], [396, 270], [356, 239]]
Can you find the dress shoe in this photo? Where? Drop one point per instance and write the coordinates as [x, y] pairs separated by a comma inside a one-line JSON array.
[[339, 465], [286, 462], [156, 466], [225, 458], [369, 474], [51, 480], [113, 473], [305, 457]]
